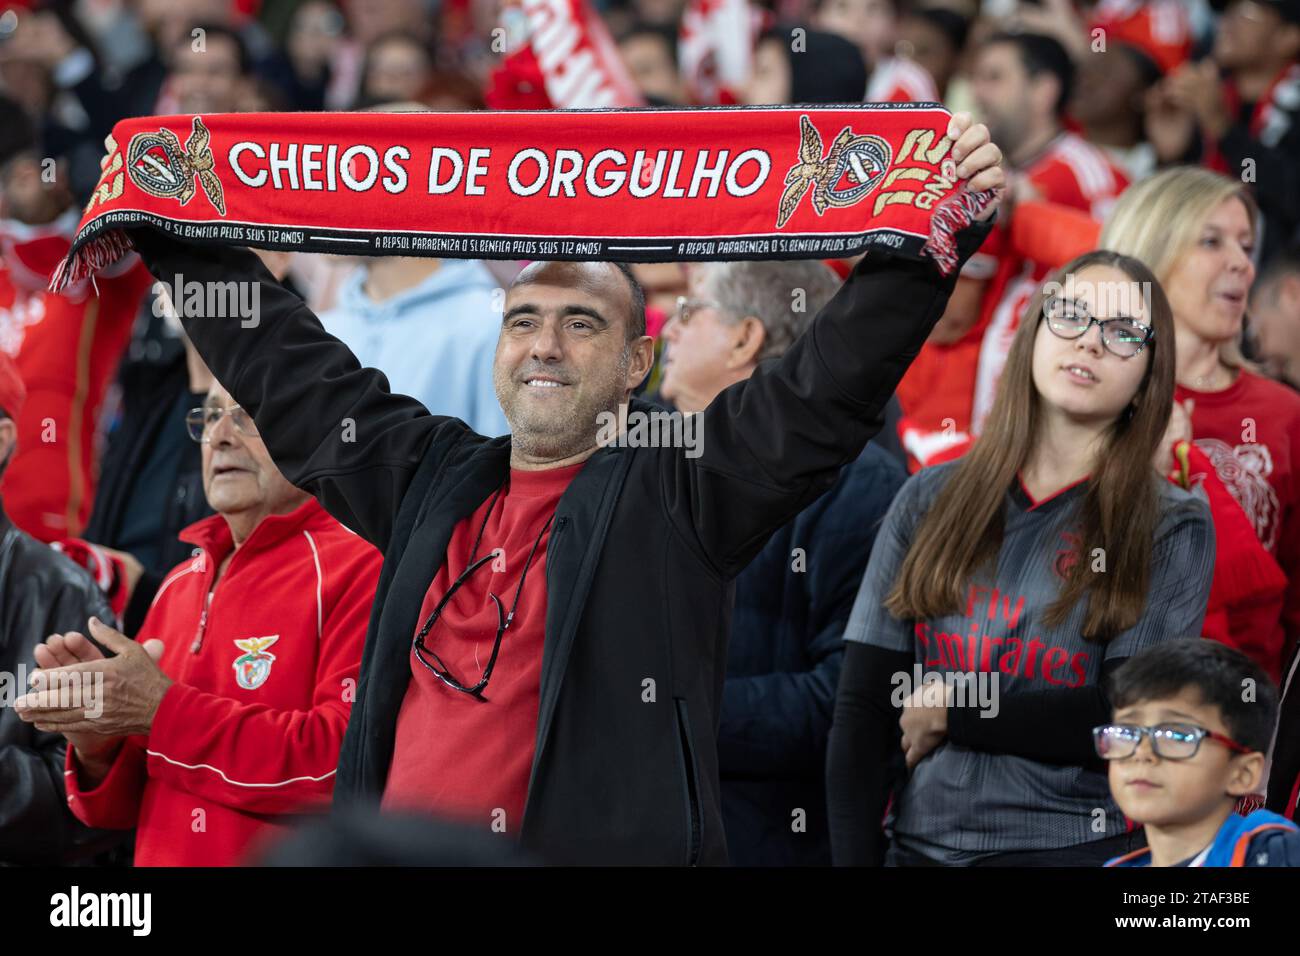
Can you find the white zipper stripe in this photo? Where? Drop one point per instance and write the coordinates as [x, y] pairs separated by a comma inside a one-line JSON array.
[[168, 583], [315, 556]]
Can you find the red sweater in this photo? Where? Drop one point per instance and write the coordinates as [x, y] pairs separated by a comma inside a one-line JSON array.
[[252, 727], [454, 756], [67, 349], [1250, 432]]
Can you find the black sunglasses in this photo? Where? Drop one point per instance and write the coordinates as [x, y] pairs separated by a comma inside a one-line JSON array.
[[439, 669], [418, 646]]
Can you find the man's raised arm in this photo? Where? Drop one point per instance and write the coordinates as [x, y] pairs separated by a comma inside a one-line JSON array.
[[775, 442], [332, 427]]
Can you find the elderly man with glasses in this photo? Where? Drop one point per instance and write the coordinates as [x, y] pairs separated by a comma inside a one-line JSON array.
[[231, 710], [794, 599]]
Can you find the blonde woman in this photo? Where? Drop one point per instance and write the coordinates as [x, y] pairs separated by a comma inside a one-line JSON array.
[[993, 565], [1196, 230]]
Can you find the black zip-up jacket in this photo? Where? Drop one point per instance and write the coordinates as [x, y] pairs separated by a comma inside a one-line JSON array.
[[41, 593], [640, 562]]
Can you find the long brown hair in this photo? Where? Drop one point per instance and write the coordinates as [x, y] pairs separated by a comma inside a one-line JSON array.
[[1119, 513]]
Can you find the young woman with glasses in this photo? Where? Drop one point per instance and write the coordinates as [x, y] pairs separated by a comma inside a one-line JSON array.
[[1048, 554], [1196, 230]]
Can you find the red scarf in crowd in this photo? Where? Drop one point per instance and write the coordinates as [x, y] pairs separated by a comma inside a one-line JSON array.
[[1271, 117], [1273, 113], [632, 185], [716, 47], [30, 253], [559, 55]]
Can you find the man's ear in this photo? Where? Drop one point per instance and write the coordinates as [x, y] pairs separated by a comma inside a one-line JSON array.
[[641, 359], [1044, 89], [751, 336]]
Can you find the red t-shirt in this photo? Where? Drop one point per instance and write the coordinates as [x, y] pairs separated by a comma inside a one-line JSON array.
[[1250, 431], [67, 348], [455, 756]]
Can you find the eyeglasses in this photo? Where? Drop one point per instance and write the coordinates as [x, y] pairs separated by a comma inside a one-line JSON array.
[[1121, 336], [686, 306], [200, 421], [418, 646], [1168, 741]]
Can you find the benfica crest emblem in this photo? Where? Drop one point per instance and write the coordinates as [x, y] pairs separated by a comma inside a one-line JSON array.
[[253, 667], [854, 167], [158, 164]]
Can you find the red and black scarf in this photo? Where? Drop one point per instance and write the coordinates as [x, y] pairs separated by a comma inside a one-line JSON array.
[[1274, 112], [634, 185]]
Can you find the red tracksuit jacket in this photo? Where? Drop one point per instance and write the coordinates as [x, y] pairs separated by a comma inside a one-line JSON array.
[[265, 678]]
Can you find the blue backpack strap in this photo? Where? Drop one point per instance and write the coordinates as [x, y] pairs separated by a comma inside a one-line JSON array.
[[1233, 839], [1140, 857]]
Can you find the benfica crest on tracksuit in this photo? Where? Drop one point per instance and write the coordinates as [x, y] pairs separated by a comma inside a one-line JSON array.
[[253, 667]]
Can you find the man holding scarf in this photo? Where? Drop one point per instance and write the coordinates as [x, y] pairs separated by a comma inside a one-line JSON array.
[[548, 645]]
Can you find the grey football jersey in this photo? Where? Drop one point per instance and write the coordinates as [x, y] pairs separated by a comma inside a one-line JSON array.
[[960, 804]]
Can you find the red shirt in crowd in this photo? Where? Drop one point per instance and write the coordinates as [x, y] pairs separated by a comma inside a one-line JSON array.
[[1250, 431], [455, 756], [67, 348], [900, 80], [1162, 29]]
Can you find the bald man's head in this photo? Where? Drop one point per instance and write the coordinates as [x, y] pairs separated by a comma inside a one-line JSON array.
[[596, 277]]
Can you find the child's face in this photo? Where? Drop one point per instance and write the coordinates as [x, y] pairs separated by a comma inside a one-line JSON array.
[[1156, 791]]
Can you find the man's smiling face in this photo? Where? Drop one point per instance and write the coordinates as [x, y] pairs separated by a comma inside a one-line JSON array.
[[566, 354]]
